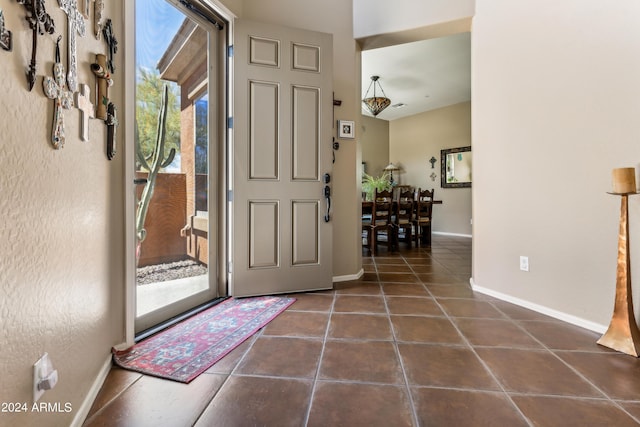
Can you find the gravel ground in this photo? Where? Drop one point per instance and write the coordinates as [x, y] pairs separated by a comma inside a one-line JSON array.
[[170, 271]]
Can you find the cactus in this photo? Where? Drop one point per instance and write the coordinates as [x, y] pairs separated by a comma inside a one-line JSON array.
[[153, 163]]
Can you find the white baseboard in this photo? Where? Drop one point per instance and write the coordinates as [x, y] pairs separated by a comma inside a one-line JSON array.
[[85, 407], [583, 323], [442, 233], [348, 277]]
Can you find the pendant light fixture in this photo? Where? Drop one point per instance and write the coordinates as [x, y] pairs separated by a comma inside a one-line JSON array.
[[375, 104]]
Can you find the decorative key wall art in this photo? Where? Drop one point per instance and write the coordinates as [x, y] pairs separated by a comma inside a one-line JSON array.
[[5, 35], [75, 25], [103, 81], [86, 8], [98, 10], [105, 109], [55, 89], [112, 44], [64, 89], [112, 125], [40, 23]]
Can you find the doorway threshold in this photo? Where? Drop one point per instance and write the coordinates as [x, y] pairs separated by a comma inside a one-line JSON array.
[[153, 296], [176, 319]]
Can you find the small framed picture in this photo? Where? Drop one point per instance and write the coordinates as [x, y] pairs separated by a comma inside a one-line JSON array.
[[346, 129]]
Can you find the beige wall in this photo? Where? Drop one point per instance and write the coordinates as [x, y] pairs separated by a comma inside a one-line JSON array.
[[61, 262], [414, 140], [554, 111], [374, 136], [334, 17]]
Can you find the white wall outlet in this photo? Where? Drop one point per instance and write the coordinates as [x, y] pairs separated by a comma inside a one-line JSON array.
[[524, 263], [44, 377]]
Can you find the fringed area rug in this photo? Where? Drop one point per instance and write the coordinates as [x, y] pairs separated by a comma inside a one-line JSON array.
[[186, 350]]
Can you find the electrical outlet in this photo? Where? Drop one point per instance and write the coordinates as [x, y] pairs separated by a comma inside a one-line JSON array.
[[44, 377], [524, 263]]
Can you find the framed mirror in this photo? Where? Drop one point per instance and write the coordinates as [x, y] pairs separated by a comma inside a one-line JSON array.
[[456, 167]]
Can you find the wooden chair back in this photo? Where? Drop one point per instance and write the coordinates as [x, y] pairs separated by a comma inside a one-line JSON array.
[[423, 213], [382, 208], [403, 218], [405, 207], [424, 205]]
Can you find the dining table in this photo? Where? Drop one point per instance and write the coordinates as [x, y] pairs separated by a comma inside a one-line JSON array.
[[367, 211], [367, 205]]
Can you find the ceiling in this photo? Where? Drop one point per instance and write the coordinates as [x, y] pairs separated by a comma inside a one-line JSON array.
[[422, 75]]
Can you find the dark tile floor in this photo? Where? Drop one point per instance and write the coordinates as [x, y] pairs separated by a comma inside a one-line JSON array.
[[409, 344]]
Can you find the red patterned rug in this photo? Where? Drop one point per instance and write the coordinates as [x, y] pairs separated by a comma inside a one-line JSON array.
[[186, 350]]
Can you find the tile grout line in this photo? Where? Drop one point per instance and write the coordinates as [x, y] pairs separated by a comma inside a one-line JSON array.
[[110, 401], [414, 414], [571, 367], [605, 397], [320, 358], [254, 338], [482, 362]]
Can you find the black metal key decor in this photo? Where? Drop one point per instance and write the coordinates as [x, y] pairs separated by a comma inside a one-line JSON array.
[[112, 125], [40, 22], [112, 44]]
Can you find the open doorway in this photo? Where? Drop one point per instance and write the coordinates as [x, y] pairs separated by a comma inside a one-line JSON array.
[[429, 84], [180, 101]]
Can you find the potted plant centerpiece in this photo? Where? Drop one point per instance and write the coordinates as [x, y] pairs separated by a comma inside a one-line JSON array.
[[370, 184]]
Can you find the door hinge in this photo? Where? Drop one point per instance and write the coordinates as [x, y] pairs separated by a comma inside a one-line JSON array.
[[230, 267], [230, 122], [230, 196], [230, 51]]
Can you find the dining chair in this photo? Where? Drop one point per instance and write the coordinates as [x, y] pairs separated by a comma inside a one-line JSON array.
[[381, 230], [367, 227], [403, 218], [401, 188], [422, 219]]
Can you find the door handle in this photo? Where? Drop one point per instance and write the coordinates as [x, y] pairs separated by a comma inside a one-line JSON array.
[[327, 196], [139, 181]]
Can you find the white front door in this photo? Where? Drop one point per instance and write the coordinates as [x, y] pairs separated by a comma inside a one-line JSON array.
[[281, 238]]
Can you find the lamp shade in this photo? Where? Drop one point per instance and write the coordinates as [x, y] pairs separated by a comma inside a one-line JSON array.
[[375, 104], [391, 167]]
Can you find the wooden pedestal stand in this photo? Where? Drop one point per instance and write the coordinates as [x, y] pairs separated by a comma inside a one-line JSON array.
[[623, 334]]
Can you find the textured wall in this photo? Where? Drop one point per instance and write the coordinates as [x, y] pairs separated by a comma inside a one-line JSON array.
[[61, 258]]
